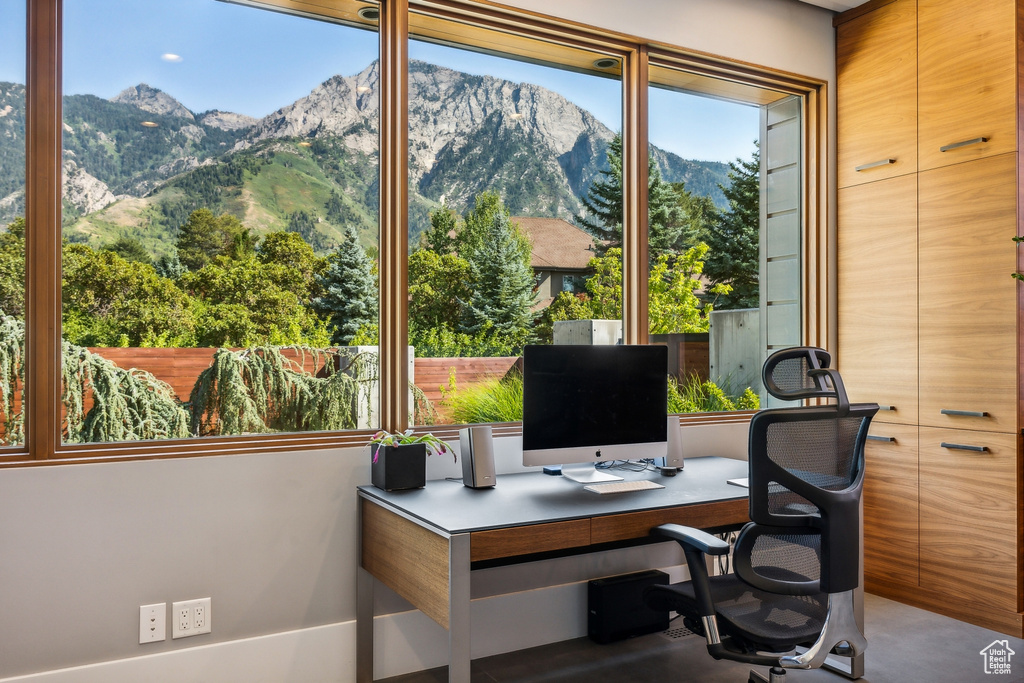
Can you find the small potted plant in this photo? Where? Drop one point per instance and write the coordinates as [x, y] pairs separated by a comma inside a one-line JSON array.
[[400, 459]]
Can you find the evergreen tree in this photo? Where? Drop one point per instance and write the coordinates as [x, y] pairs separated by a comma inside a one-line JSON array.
[[604, 206], [130, 249], [349, 299], [733, 257], [478, 222], [502, 299], [440, 236], [169, 266], [204, 236]]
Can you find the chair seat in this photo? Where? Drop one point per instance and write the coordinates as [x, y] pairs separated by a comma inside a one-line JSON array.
[[754, 619]]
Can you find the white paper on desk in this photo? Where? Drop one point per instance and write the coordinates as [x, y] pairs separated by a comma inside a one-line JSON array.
[[739, 482]]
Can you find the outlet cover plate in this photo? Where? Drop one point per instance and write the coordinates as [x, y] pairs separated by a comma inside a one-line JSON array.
[[191, 618]]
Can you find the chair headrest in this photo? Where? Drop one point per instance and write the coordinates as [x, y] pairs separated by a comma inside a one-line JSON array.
[[803, 372]]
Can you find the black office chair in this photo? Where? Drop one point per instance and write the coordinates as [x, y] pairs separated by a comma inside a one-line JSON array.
[[797, 560]]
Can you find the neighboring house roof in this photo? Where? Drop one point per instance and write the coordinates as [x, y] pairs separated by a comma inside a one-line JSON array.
[[557, 243]]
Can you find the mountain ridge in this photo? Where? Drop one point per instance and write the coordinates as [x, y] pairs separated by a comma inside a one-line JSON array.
[[467, 133]]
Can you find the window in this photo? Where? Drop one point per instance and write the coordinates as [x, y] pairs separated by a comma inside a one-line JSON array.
[[709, 251], [219, 222], [208, 209], [12, 221], [504, 152]]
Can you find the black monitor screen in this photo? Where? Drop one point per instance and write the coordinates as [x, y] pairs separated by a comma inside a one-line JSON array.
[[593, 396]]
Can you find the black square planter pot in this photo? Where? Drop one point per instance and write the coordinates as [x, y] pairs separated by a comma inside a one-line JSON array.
[[399, 467]]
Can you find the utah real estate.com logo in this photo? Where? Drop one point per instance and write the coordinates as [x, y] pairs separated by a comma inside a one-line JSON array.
[[997, 657]]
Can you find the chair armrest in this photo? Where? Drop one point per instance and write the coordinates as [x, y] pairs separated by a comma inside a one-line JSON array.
[[694, 538]]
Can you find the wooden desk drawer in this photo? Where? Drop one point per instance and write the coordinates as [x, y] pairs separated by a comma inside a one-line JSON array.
[[523, 540], [639, 524]]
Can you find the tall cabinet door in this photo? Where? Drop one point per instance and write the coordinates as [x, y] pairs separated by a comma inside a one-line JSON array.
[[876, 94], [967, 95], [877, 285], [891, 552], [968, 301]]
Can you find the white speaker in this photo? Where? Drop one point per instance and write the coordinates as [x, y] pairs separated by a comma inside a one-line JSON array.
[[673, 460], [477, 446]]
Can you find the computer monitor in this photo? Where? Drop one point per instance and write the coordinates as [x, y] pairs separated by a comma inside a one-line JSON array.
[[594, 404]]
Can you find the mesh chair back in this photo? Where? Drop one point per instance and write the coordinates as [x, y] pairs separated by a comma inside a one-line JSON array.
[[806, 475]]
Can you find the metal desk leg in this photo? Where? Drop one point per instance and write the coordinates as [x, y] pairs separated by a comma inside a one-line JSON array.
[[459, 650], [364, 626]]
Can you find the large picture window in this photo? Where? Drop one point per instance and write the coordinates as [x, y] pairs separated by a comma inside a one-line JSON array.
[[708, 247], [219, 222], [274, 224], [504, 155]]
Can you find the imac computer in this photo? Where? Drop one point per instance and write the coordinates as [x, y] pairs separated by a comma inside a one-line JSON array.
[[584, 405]]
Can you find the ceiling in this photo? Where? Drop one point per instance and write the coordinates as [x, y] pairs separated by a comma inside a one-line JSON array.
[[836, 5]]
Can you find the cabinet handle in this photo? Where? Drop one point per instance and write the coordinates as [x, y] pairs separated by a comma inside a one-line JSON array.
[[965, 143], [963, 447], [875, 164], [964, 413], [892, 408], [888, 439]]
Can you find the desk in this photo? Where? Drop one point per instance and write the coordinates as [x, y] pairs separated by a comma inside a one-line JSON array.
[[423, 543]]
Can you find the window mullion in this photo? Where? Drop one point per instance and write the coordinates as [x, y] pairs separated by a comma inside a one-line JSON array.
[[394, 213], [42, 406], [634, 196]]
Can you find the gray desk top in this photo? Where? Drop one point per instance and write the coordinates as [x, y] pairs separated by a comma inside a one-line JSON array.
[[534, 497]]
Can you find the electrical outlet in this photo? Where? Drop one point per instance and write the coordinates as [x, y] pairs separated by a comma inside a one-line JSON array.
[[153, 623], [191, 618], [201, 616]]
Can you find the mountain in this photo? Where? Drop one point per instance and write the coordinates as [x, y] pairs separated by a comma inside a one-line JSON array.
[[153, 100], [12, 151], [139, 163]]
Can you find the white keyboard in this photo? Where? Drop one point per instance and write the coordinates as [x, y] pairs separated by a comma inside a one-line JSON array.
[[623, 486]]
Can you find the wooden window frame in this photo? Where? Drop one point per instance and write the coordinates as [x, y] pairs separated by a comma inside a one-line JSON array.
[[43, 153]]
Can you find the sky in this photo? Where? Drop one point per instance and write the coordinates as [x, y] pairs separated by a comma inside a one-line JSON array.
[[216, 55]]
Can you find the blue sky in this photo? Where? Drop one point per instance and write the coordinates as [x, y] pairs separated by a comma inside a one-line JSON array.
[[253, 62]]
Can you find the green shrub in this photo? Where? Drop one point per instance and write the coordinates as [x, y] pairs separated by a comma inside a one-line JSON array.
[[498, 400], [697, 396]]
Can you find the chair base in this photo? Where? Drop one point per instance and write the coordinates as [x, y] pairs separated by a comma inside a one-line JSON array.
[[775, 675]]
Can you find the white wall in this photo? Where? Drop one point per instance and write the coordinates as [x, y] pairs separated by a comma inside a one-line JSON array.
[[271, 537]]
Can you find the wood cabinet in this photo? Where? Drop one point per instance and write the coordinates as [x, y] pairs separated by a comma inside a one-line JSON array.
[[876, 101], [967, 80], [968, 303], [877, 281], [969, 516], [891, 553], [923, 275]]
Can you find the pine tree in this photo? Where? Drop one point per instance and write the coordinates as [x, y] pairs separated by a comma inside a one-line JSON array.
[[349, 299], [604, 206], [733, 257], [502, 300]]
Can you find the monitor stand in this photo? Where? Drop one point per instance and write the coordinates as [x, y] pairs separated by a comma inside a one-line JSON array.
[[586, 473]]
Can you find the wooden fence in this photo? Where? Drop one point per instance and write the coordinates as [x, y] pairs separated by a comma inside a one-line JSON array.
[[181, 367]]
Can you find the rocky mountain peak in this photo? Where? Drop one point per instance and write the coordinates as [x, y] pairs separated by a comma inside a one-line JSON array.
[[155, 101], [226, 120], [445, 106]]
